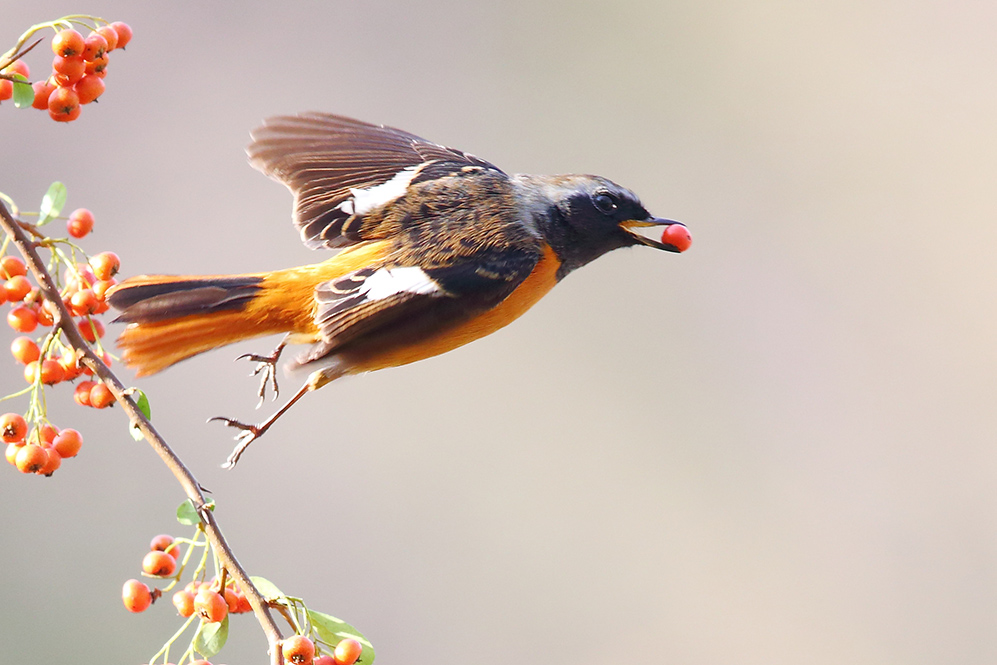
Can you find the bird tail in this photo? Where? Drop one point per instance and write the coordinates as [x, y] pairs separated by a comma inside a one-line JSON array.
[[172, 318]]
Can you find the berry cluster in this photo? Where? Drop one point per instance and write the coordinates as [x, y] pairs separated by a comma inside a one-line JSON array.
[[42, 450], [299, 650], [48, 359], [78, 69]]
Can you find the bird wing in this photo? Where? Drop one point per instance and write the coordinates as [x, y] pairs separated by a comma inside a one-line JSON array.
[[340, 169], [361, 309]]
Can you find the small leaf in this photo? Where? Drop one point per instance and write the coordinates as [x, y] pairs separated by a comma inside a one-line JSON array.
[[331, 630], [52, 203], [142, 402], [267, 589], [24, 94], [187, 513], [211, 638]]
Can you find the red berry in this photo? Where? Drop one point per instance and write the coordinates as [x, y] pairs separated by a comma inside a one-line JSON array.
[[52, 371], [677, 235], [158, 564], [105, 265], [80, 222], [108, 33], [94, 46], [46, 433], [347, 652], [67, 443], [43, 90], [12, 266], [30, 458], [100, 396], [6, 89], [92, 329], [183, 600], [298, 649], [18, 67], [67, 43], [136, 596], [22, 319], [53, 462], [16, 288], [81, 394], [13, 427], [89, 88], [124, 33], [324, 660], [24, 350], [97, 67], [83, 302], [67, 71], [210, 605], [64, 105]]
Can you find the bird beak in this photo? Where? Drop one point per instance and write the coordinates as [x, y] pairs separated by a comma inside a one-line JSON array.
[[674, 238]]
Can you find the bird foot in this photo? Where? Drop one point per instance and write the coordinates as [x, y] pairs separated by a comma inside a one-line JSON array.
[[246, 436], [267, 366]]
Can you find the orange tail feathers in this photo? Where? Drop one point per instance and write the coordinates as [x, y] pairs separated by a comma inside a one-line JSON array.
[[172, 318]]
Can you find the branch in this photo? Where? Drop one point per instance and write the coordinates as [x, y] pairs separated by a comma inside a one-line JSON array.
[[64, 321]]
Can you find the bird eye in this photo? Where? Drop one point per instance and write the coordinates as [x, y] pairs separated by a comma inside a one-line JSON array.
[[605, 203]]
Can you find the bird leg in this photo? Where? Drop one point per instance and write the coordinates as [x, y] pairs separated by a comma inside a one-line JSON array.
[[250, 433], [267, 365]]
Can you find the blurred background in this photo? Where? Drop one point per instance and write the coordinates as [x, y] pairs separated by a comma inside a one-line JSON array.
[[776, 448]]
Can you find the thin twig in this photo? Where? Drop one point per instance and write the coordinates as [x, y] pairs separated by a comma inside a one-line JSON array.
[[64, 321]]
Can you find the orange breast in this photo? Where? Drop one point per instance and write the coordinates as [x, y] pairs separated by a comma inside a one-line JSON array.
[[541, 280]]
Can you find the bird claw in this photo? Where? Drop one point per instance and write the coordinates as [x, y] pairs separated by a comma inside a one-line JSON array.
[[248, 434], [266, 365]]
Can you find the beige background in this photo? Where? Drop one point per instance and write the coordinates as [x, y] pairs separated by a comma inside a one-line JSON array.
[[777, 448]]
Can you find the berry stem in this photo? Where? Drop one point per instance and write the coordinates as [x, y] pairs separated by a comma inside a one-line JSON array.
[[63, 321]]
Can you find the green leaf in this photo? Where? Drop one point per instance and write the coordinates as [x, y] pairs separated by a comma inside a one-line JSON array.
[[211, 638], [187, 513], [331, 630], [24, 94], [52, 203], [267, 589], [142, 402]]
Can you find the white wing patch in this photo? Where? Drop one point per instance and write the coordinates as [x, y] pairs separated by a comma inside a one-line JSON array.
[[365, 200], [389, 281]]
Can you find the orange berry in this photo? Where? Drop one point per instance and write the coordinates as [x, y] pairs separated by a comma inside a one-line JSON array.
[[199, 662], [67, 43], [231, 599], [52, 463], [108, 33], [347, 652], [18, 67], [81, 394], [94, 46], [46, 433], [158, 564], [67, 71], [100, 288], [16, 288], [22, 319], [30, 458], [64, 105], [105, 265], [210, 605], [183, 600], [12, 266], [89, 88], [83, 302], [97, 67], [124, 32], [70, 365], [100, 396], [52, 372], [43, 90], [6, 89], [324, 660], [136, 596], [13, 427], [24, 350], [12, 450], [67, 443], [298, 649], [161, 542], [80, 222], [92, 329], [31, 371]]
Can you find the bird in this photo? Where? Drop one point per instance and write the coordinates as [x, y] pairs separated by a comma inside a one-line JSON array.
[[434, 248]]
